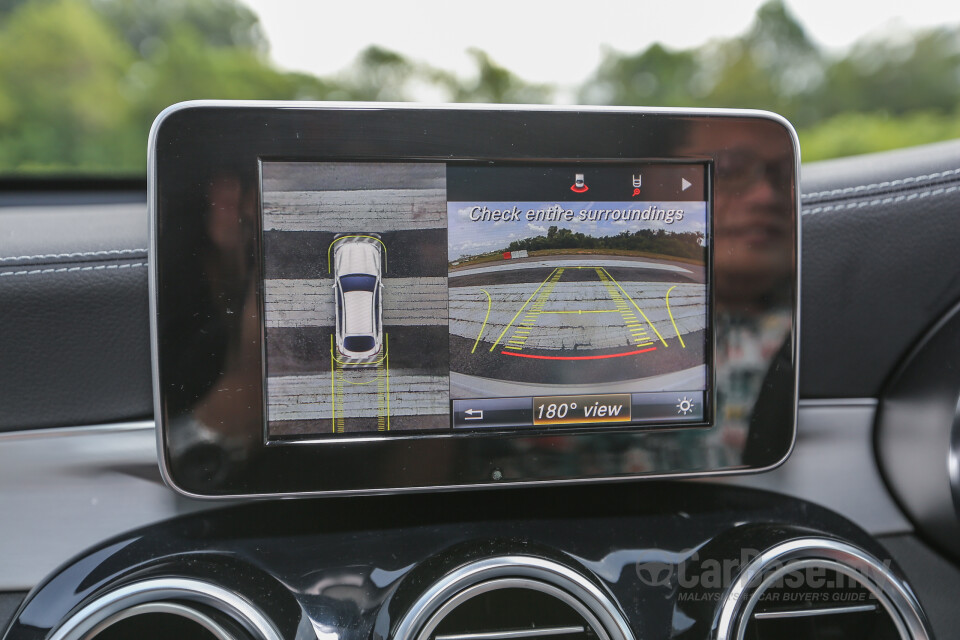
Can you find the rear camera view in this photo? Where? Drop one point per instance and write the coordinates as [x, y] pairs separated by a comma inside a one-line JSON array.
[[590, 309], [574, 307], [355, 298]]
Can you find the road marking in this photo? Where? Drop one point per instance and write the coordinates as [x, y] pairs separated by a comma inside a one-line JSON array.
[[484, 325], [635, 305], [521, 309], [536, 309], [667, 300]]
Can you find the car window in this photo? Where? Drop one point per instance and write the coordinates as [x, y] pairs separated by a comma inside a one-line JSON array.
[[82, 80]]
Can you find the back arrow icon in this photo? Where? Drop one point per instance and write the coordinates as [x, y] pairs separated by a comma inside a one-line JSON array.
[[473, 414]]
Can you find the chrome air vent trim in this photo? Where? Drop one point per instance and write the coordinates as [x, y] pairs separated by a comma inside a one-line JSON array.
[[539, 574], [448, 607], [894, 596], [165, 591], [169, 608]]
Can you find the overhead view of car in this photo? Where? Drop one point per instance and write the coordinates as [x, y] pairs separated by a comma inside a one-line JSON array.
[[500, 321], [359, 305]]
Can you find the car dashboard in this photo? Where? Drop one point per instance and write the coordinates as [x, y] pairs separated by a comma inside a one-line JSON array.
[[853, 536]]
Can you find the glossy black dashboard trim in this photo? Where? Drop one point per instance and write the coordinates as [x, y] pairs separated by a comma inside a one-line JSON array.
[[357, 568], [194, 145]]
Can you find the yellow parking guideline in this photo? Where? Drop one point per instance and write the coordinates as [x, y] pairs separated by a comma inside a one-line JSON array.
[[484, 325], [637, 306], [667, 300], [330, 268], [506, 328], [333, 392], [386, 346]]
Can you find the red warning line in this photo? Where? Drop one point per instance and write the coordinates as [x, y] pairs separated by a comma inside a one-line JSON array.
[[609, 355]]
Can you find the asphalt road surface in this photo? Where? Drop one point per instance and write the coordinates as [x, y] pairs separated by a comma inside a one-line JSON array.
[[576, 319]]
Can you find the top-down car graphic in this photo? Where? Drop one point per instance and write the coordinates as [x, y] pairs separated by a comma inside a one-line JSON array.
[[357, 286]]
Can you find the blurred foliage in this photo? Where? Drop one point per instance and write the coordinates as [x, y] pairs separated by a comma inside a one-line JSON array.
[[855, 133], [685, 244], [82, 80]]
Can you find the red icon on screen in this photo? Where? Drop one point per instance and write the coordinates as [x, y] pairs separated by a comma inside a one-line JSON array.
[[579, 186], [636, 192]]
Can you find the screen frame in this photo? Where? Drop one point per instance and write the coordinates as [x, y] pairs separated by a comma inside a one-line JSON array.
[[196, 145]]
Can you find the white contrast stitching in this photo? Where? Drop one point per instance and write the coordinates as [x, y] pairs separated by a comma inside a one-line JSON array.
[[881, 185], [79, 254], [72, 269], [880, 201]]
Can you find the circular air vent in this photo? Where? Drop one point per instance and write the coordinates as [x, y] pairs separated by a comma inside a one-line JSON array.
[[168, 608], [818, 588], [511, 598]]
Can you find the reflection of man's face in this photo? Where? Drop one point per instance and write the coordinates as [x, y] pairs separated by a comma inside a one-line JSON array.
[[754, 223], [754, 228]]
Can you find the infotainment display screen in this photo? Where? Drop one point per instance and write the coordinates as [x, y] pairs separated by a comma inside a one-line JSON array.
[[412, 296], [358, 297]]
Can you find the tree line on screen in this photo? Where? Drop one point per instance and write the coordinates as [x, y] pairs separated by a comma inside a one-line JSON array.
[[686, 244], [82, 80]]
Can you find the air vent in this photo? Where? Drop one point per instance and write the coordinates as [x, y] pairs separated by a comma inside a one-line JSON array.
[[168, 608], [514, 598], [163, 620], [819, 589]]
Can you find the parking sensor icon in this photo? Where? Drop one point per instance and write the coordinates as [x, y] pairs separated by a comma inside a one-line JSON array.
[[579, 185]]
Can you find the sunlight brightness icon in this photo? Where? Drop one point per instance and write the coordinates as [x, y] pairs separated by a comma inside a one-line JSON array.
[[684, 405]]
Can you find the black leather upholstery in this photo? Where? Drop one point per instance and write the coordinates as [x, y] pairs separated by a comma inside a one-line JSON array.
[[74, 331], [881, 263]]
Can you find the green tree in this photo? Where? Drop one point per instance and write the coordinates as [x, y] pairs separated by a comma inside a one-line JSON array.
[[219, 23], [494, 84], [64, 100], [76, 95], [920, 72], [656, 76], [378, 74]]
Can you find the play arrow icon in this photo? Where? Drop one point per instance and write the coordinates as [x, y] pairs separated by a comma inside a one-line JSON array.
[[685, 184]]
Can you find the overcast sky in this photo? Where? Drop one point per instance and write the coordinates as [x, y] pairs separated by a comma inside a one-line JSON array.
[[560, 41]]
